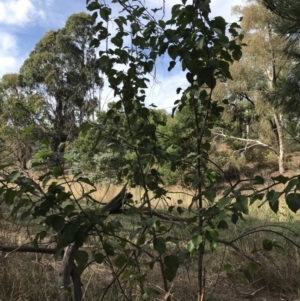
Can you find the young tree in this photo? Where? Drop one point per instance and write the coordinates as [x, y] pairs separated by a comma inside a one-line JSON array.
[[204, 51]]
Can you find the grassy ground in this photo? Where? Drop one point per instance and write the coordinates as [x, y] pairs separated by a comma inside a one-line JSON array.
[[28, 277]]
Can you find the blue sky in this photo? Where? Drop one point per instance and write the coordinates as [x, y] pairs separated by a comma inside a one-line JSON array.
[[24, 22]]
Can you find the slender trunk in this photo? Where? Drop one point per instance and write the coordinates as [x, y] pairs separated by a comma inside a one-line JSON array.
[[278, 121], [272, 77], [64, 274], [77, 284]]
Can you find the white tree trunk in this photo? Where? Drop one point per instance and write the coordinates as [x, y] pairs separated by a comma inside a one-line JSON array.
[[278, 121]]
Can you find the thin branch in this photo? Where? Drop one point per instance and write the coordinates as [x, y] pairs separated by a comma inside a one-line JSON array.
[[25, 249]]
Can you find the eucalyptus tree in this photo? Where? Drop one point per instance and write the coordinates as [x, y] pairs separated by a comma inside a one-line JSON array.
[[63, 70], [288, 26], [258, 80], [20, 113]]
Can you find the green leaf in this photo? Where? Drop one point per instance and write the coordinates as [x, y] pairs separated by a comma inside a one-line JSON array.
[[293, 201], [243, 201], [173, 52], [109, 249], [189, 77], [227, 268], [223, 202], [174, 240], [272, 197], [223, 225], [10, 195], [120, 261], [225, 67], [80, 235], [267, 245], [172, 265], [171, 66], [85, 127], [105, 13], [150, 222], [41, 154], [99, 258], [95, 43], [159, 245], [68, 157], [247, 274], [200, 43], [213, 245], [290, 185], [256, 196], [253, 267], [3, 166], [220, 24], [179, 210], [14, 176], [58, 223], [211, 234], [125, 275], [81, 258], [150, 292], [258, 180], [234, 218], [27, 130], [237, 54], [210, 196], [135, 27], [93, 6], [281, 179], [70, 231], [119, 23], [85, 180], [69, 209], [140, 42], [117, 40], [141, 240], [194, 243]]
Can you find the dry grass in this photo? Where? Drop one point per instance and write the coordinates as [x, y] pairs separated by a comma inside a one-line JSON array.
[[28, 277]]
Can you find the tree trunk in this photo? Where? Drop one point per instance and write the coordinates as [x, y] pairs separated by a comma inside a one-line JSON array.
[[278, 121], [64, 274], [77, 284]]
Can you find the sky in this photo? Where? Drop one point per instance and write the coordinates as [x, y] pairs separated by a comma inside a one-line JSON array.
[[24, 22]]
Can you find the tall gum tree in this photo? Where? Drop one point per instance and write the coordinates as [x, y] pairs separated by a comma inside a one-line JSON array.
[[63, 69], [259, 75]]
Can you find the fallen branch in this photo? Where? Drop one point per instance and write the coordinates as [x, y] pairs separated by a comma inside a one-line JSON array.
[[26, 249], [247, 140]]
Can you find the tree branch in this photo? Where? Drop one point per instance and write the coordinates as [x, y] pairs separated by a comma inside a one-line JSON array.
[[25, 249], [255, 142]]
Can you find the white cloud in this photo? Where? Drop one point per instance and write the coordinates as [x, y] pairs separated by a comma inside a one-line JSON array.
[[9, 54], [19, 12]]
